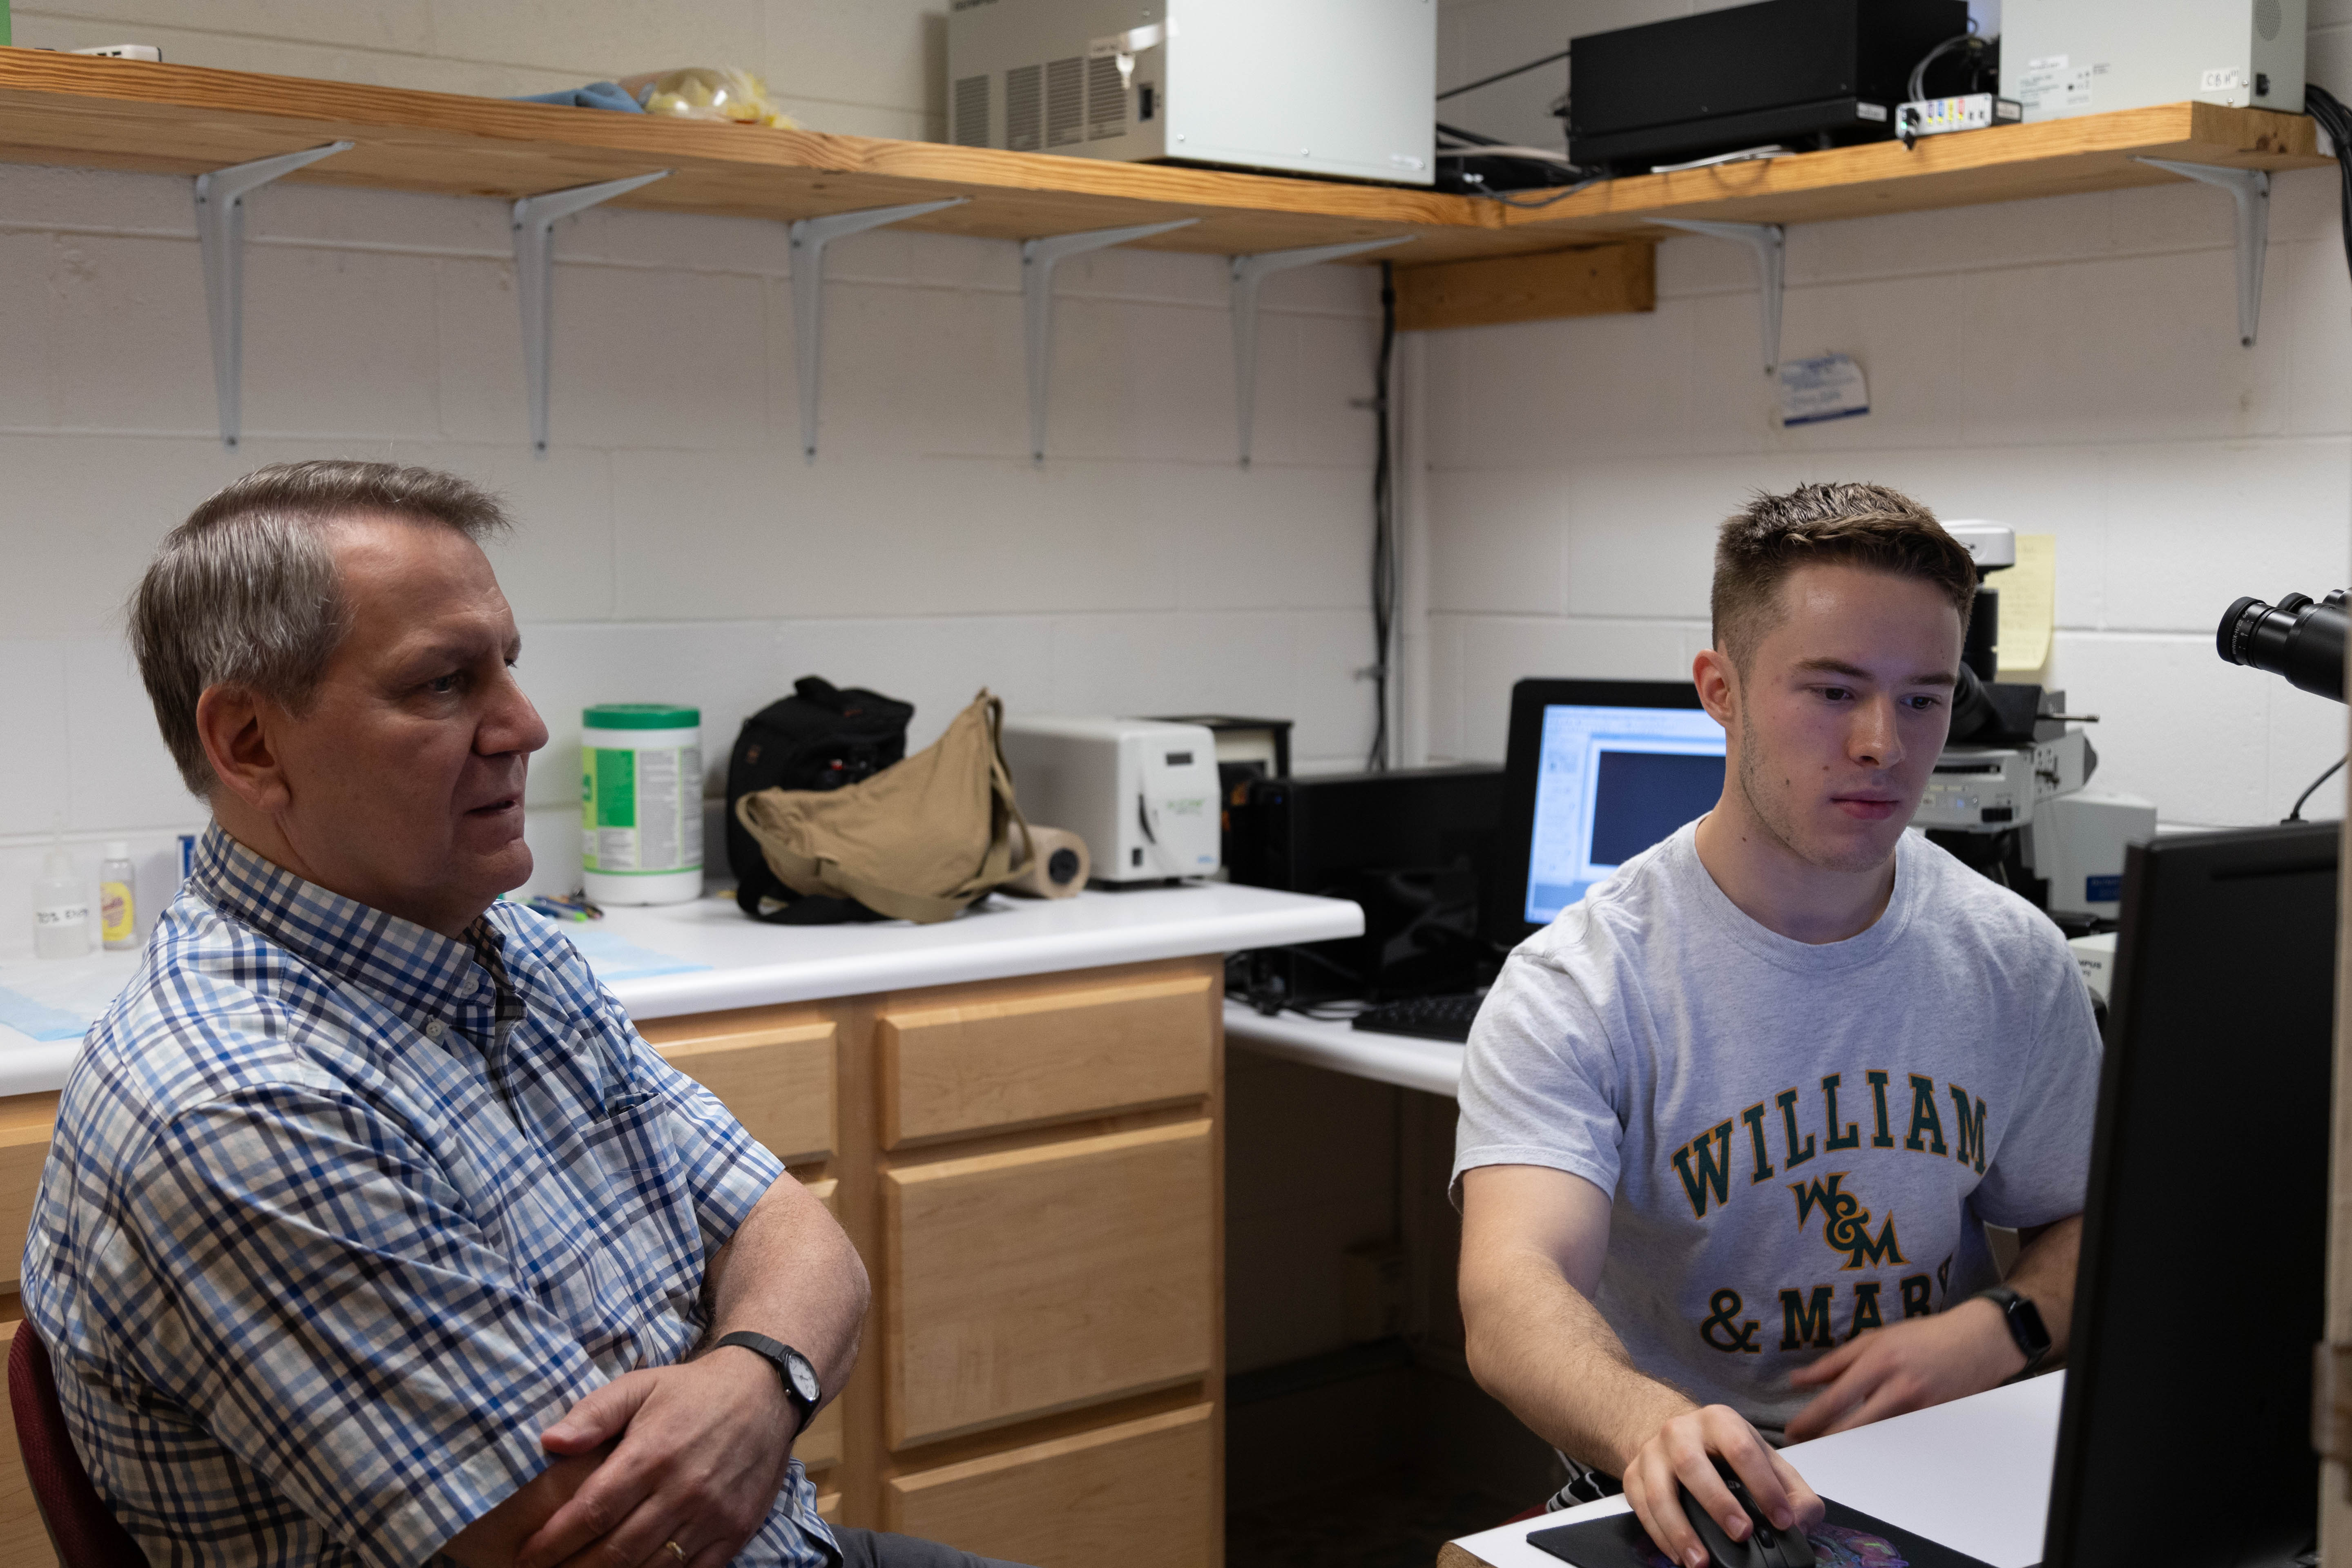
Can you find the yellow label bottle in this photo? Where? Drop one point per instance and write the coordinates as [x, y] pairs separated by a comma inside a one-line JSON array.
[[117, 903]]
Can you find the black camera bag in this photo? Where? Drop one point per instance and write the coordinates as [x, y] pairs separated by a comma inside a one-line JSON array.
[[820, 738]]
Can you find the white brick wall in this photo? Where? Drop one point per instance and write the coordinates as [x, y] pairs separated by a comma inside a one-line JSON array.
[[674, 545], [2069, 366]]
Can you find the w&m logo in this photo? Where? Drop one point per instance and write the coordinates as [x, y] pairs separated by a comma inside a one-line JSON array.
[[1845, 1225]]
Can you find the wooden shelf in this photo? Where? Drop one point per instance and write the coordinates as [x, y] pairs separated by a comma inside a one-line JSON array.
[[185, 120]]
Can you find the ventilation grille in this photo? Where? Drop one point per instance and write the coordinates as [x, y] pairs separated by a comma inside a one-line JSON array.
[[971, 111], [2268, 16], [1065, 108], [1105, 99], [1024, 107]]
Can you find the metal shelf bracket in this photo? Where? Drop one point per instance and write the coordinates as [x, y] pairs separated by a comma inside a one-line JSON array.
[[220, 233], [1770, 241], [1247, 272], [2252, 190], [810, 235], [533, 221], [1038, 258]]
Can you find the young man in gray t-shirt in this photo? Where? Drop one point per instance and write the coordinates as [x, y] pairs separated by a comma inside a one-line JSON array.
[[1732, 1125]]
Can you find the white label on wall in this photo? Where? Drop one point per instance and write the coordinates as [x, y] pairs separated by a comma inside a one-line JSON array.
[[1814, 390]]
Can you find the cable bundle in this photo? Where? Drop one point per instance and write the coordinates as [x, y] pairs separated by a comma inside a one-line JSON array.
[[2337, 121]]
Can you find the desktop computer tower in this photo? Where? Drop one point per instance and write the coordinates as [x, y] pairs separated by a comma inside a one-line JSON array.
[[1339, 87], [1408, 846]]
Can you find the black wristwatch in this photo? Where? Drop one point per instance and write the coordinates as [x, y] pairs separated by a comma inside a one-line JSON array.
[[799, 1377], [2024, 1320]]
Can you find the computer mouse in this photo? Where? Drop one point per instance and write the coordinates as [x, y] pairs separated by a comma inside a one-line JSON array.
[[1765, 1546]]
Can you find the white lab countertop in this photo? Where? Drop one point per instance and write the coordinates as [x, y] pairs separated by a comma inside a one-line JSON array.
[[706, 956], [1973, 1475], [1432, 1067]]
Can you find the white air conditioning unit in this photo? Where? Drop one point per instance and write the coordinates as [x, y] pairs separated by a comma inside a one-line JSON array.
[[2063, 58], [1343, 88]]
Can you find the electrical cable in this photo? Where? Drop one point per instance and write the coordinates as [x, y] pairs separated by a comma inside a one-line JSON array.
[[1500, 75], [2337, 121], [2296, 815], [1384, 549], [1919, 71]]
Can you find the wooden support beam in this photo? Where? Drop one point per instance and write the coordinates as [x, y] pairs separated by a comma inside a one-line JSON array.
[[1590, 280]]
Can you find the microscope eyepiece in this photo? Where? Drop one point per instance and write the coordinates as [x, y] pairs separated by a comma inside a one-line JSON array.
[[2298, 637]]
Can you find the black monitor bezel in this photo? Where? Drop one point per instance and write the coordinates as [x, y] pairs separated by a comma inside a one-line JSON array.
[[1504, 899], [2087, 1492]]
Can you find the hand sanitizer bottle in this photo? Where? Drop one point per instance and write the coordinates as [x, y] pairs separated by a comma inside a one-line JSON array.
[[117, 898], [60, 910]]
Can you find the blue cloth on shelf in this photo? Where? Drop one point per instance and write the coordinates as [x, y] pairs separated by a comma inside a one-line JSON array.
[[38, 1019], [595, 95]]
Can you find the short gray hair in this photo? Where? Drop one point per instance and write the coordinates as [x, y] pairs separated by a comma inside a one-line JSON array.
[[245, 593]]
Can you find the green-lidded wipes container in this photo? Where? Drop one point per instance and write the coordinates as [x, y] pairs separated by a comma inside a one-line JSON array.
[[641, 803]]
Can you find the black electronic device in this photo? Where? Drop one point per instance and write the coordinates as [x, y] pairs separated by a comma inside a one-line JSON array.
[[1596, 771], [1406, 845], [2224, 985], [1762, 1547], [2299, 637], [1799, 73]]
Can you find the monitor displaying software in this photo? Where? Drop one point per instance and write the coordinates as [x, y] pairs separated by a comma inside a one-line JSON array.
[[1609, 782]]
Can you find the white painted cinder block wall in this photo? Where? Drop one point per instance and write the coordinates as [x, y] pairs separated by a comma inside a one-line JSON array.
[[673, 546], [2069, 366]]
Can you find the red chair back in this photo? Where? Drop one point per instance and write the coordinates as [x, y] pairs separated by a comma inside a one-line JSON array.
[[84, 1533]]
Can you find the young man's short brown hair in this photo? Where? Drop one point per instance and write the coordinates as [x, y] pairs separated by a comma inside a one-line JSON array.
[[1846, 524]]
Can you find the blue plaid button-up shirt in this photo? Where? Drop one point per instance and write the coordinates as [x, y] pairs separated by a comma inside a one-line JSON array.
[[329, 1234]]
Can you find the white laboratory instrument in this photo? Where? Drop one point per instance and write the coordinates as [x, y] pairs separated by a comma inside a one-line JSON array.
[[1142, 792], [2063, 58], [1343, 87]]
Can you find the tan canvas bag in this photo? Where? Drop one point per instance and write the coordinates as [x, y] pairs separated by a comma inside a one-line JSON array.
[[917, 841]]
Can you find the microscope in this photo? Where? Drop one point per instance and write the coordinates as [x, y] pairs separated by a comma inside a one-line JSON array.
[[2009, 794]]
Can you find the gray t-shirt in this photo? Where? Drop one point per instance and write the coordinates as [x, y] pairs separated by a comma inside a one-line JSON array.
[[1800, 1140]]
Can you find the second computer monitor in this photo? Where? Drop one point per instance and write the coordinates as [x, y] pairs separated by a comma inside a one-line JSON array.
[[1596, 772]]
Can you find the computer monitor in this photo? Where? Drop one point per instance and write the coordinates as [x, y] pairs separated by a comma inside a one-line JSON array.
[[1596, 771], [2185, 1436]]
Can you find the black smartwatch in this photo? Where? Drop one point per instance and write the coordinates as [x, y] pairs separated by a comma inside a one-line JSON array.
[[2024, 1320], [799, 1377]]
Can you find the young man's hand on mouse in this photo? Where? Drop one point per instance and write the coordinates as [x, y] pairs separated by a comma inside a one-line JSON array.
[[1681, 1452]]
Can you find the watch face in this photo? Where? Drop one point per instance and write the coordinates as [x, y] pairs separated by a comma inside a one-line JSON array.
[[803, 1376]]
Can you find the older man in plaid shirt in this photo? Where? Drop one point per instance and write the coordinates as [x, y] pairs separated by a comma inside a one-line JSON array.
[[371, 1233]]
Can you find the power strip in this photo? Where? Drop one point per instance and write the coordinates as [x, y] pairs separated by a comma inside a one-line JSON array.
[[1942, 116]]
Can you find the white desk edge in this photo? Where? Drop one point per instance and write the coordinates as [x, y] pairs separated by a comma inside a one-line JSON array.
[[1432, 1067]]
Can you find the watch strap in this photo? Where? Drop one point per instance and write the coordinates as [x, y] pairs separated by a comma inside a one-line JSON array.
[[780, 1357], [2024, 1320]]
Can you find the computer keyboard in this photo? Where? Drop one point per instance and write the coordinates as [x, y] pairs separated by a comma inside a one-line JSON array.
[[1428, 1017]]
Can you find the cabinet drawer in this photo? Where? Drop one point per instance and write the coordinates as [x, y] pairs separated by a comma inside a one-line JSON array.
[[1138, 1494], [820, 1447], [26, 1123], [1039, 1278], [777, 1081], [1070, 1051]]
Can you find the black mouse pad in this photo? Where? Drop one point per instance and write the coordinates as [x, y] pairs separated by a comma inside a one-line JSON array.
[[1845, 1538]]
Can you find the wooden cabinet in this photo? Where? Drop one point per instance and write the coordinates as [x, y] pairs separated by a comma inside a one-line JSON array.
[[1032, 1170], [25, 1124], [985, 1063], [1038, 1277], [778, 1080], [1137, 1493]]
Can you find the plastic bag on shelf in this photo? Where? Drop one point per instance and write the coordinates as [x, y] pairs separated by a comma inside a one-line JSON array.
[[715, 92]]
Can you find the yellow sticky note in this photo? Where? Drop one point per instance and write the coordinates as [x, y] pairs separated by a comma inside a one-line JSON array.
[[2029, 604]]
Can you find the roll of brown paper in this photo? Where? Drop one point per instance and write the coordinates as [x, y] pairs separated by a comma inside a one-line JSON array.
[[1060, 868]]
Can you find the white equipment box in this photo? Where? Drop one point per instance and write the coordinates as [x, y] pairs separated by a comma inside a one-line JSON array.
[[1343, 87], [2064, 57], [1142, 792]]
